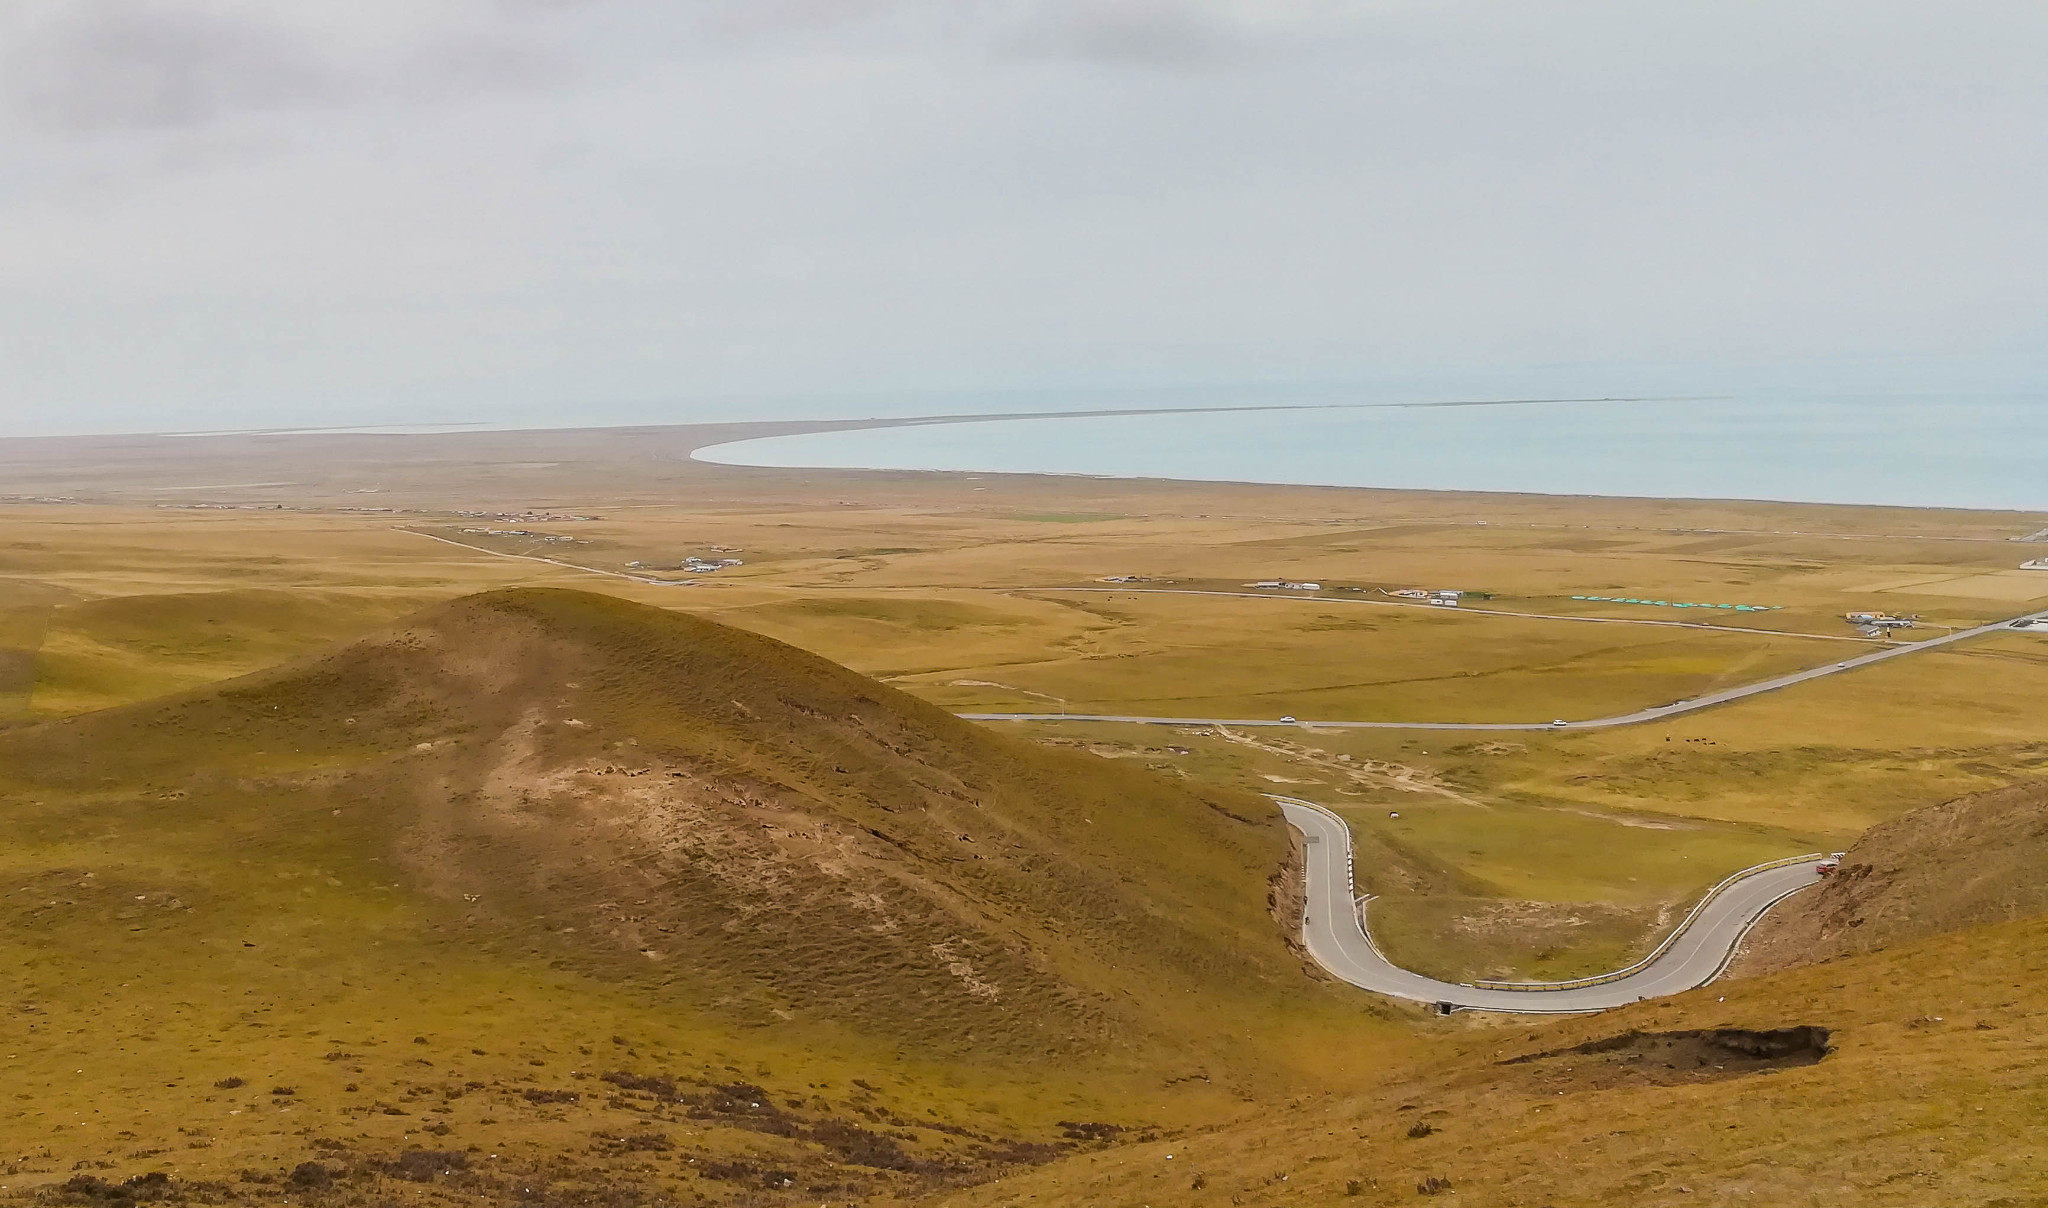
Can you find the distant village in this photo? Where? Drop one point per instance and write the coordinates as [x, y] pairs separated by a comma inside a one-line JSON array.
[[523, 517], [696, 565], [1438, 597], [526, 533], [2037, 563]]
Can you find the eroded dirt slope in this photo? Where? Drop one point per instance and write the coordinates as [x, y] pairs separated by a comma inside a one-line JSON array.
[[1975, 860]]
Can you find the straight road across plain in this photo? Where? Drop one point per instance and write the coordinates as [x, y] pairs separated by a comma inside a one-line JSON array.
[[1464, 610], [1655, 713], [498, 553], [1333, 928]]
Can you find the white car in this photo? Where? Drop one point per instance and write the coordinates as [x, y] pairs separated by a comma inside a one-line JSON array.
[[1289, 720], [1560, 722]]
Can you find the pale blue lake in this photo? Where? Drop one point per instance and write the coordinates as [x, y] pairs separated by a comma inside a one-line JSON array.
[[1976, 453]]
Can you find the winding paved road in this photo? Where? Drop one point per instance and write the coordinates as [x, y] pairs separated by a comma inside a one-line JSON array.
[[1333, 929], [1597, 723]]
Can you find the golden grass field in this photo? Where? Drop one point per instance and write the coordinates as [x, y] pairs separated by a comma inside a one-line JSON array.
[[1519, 854], [963, 589]]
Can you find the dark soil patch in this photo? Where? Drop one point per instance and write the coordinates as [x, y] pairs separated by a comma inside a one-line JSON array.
[[885, 1144], [422, 1165], [151, 1188], [1672, 1058], [753, 1174]]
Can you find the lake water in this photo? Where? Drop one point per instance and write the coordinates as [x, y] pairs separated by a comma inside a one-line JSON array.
[[1980, 453]]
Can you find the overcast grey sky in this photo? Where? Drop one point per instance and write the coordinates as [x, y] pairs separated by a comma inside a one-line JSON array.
[[224, 213]]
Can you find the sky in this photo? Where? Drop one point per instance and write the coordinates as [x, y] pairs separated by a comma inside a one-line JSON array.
[[225, 214]]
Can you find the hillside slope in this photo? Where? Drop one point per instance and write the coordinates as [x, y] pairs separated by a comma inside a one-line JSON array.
[[650, 793], [98, 653], [1975, 860], [1885, 1051], [537, 867], [1906, 1077]]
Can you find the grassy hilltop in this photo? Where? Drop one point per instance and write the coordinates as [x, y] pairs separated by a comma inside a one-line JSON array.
[[538, 866]]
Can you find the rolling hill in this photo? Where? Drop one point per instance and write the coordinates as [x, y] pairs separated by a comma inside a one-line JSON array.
[[728, 856], [61, 654]]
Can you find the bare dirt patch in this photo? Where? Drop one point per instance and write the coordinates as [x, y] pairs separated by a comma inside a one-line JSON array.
[[1358, 773], [1674, 1058], [1963, 863]]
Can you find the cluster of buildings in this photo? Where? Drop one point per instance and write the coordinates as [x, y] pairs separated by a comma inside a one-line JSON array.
[[1125, 579], [2037, 563], [1878, 624], [527, 533], [696, 565], [1681, 604], [1441, 599], [1437, 597], [202, 507], [522, 517]]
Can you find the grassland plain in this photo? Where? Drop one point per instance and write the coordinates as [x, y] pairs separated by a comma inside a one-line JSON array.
[[273, 978], [935, 583]]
